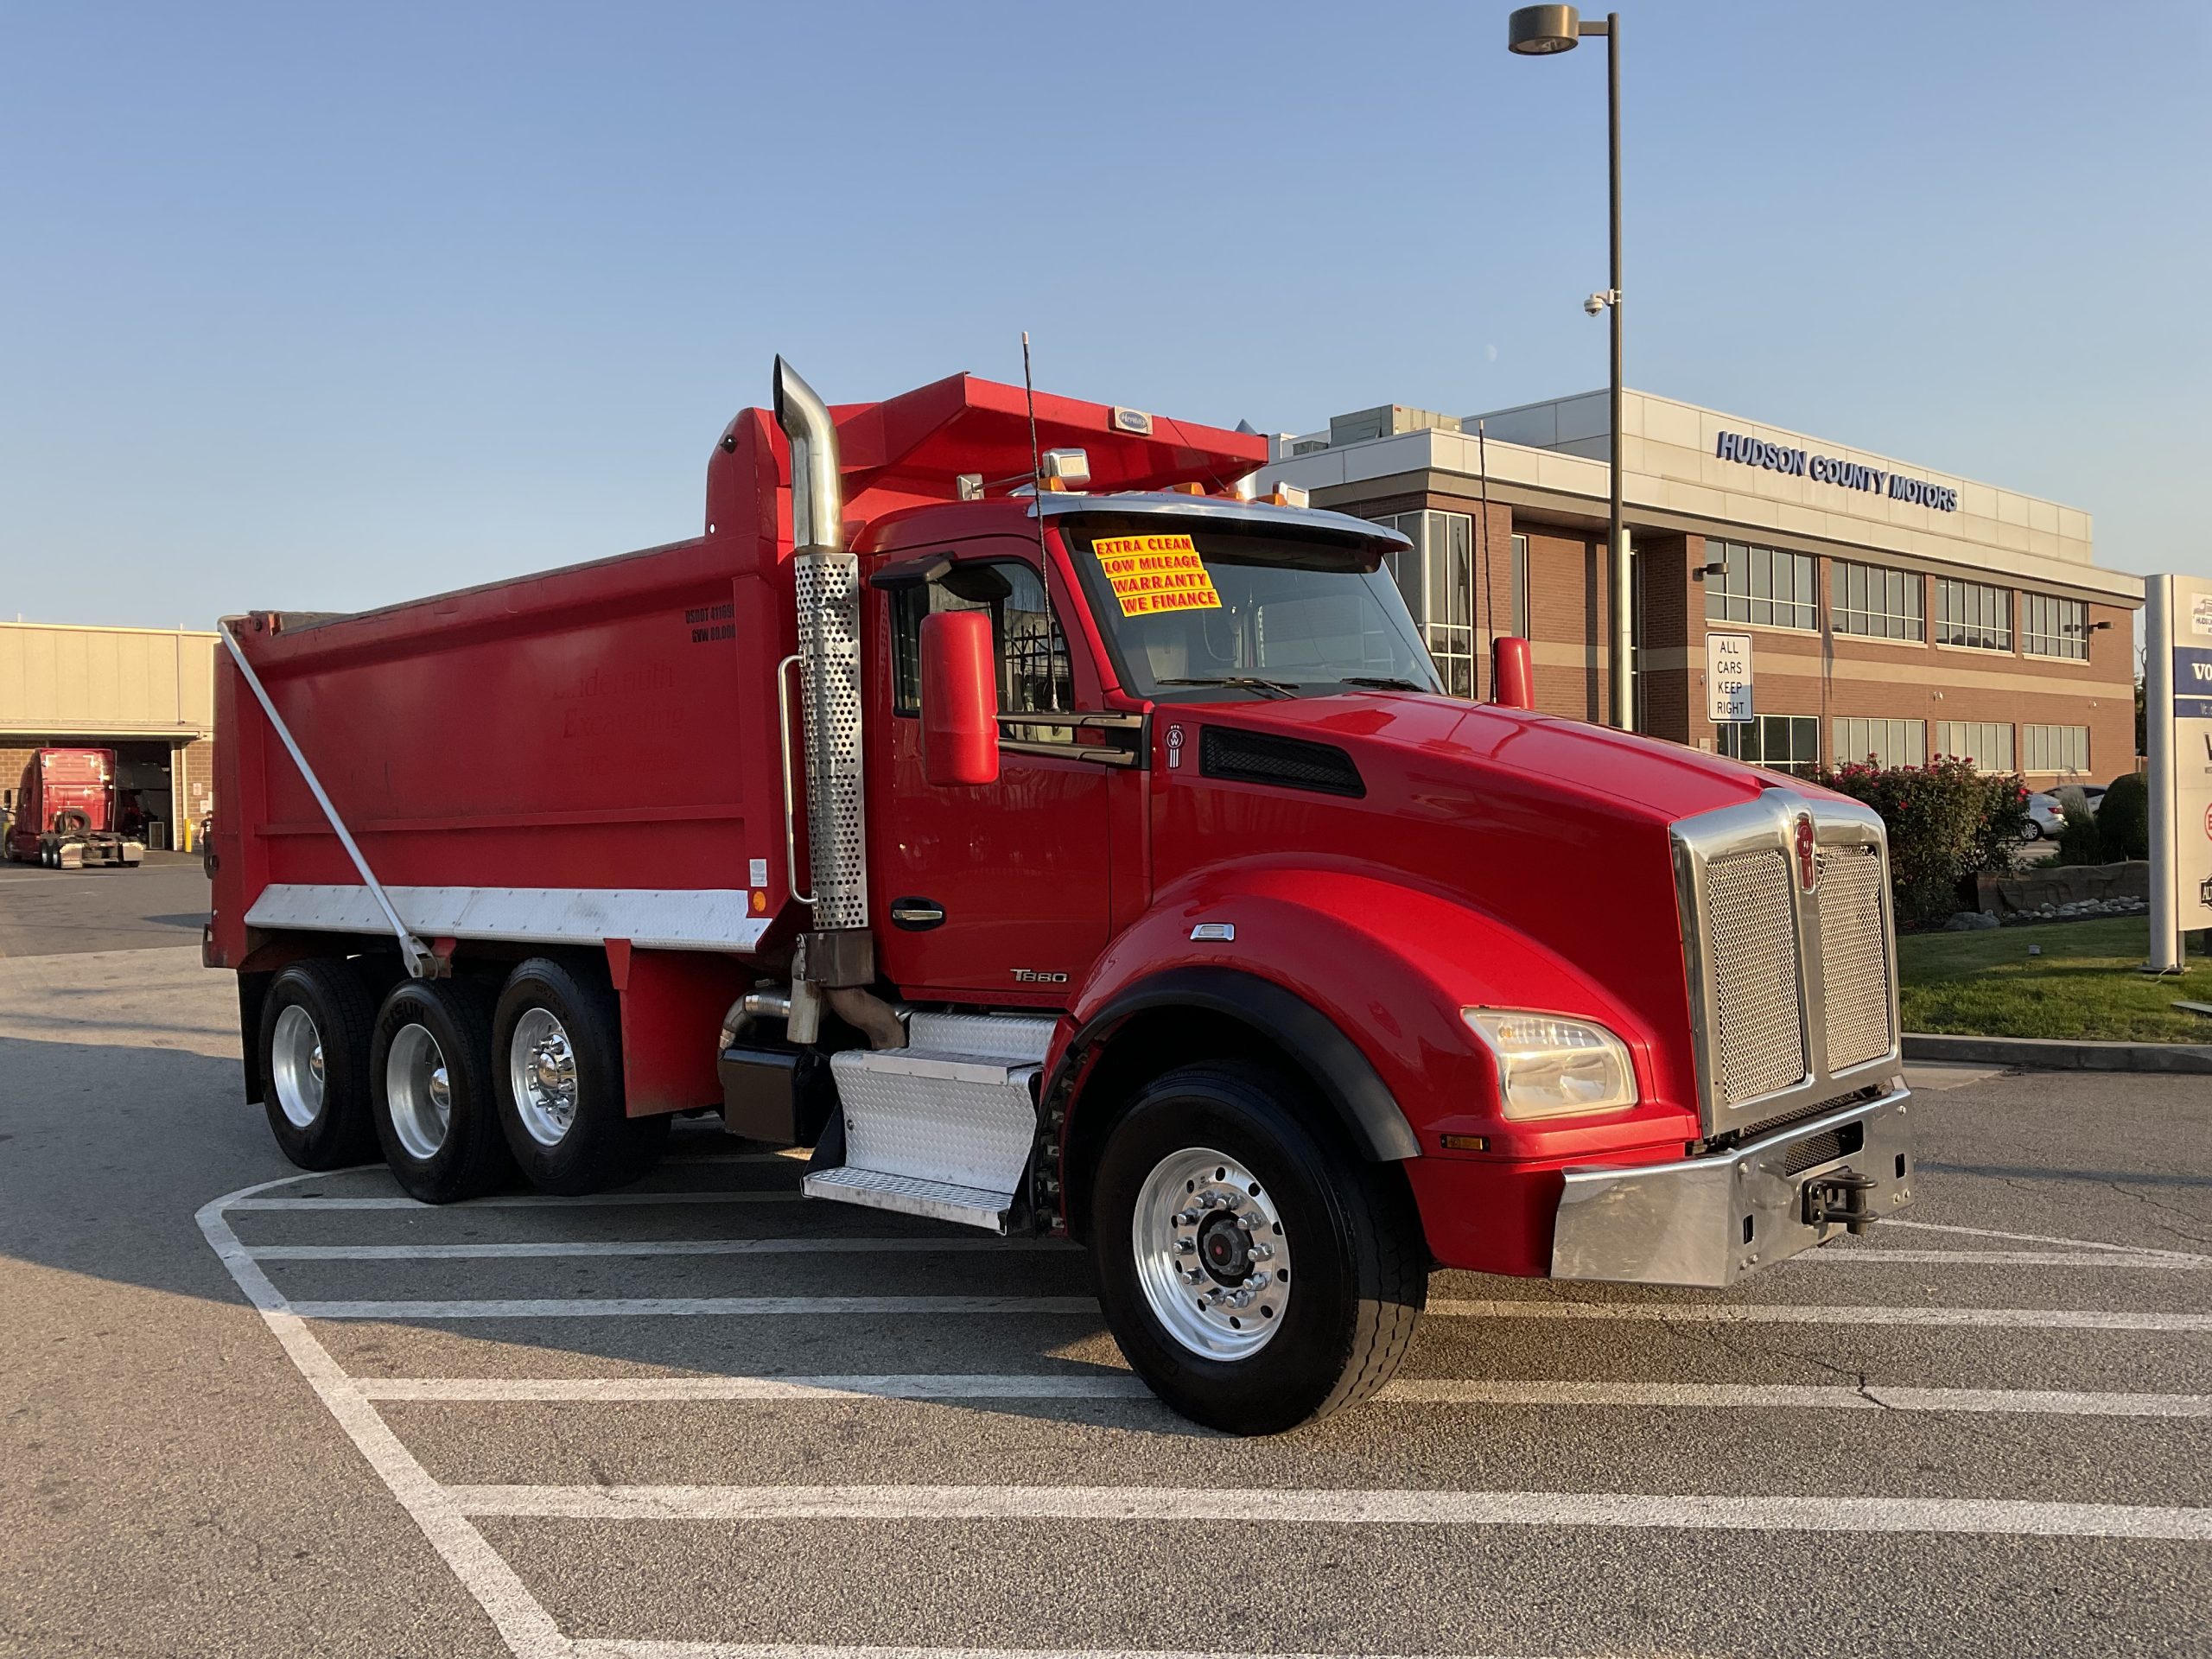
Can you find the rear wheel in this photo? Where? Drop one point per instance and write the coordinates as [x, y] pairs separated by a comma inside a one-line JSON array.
[[316, 1022], [430, 1068], [1257, 1276], [557, 1036]]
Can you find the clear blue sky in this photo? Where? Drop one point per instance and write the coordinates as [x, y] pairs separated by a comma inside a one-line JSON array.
[[315, 306]]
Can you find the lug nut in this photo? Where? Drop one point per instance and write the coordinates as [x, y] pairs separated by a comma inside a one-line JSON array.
[[1186, 1217], [1190, 1275], [1262, 1252], [1183, 1247]]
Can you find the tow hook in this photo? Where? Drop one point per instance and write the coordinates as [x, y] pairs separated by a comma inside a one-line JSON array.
[[1840, 1197]]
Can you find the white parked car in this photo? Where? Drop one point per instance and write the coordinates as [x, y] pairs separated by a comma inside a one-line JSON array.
[[2045, 818]]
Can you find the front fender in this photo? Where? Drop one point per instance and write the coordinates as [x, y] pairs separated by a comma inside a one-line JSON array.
[[1367, 977]]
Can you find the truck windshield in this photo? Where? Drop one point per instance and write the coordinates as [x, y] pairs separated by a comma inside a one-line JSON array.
[[1191, 611]]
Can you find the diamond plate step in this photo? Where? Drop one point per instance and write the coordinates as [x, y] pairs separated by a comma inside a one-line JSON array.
[[1009, 1036], [935, 1132], [939, 1200]]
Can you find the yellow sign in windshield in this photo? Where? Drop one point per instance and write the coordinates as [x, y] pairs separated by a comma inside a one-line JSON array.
[[1155, 573]]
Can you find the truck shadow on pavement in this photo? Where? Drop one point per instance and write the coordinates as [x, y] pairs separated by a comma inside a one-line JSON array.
[[106, 1153]]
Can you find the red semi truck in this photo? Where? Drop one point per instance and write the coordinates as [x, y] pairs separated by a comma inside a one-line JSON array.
[[68, 815], [1055, 842]]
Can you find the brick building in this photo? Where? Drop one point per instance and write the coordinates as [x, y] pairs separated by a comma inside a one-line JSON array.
[[148, 694], [1894, 613]]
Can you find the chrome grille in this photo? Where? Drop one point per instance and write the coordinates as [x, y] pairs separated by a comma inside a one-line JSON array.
[[1754, 946], [1854, 957]]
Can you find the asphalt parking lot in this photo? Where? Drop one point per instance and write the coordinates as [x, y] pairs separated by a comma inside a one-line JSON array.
[[250, 1411]]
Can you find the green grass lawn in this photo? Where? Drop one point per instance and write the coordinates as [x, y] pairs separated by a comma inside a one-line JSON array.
[[2085, 984]]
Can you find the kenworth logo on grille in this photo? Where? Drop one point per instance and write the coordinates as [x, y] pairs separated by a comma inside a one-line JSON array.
[[1808, 863]]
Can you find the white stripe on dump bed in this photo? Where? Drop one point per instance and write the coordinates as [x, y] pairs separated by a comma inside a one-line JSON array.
[[665, 918]]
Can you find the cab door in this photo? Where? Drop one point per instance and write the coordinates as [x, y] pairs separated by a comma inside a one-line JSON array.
[[998, 891]]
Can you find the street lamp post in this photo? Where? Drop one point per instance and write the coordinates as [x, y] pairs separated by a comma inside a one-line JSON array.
[[1540, 31]]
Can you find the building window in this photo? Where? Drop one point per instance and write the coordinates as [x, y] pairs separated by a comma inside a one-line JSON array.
[[2050, 626], [1968, 614], [1437, 578], [1988, 745], [1760, 585], [1883, 604], [1881, 742], [2055, 748], [1788, 743]]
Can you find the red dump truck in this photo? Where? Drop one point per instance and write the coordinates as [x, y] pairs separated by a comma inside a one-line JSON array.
[[1055, 841], [66, 814]]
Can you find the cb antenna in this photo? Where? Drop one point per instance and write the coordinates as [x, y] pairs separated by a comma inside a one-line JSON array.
[[1037, 505]]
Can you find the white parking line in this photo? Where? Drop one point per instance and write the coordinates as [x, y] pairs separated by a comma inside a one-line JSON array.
[[529, 1630], [643, 1247], [1180, 1505], [1990, 1318], [1451, 1391], [1877, 1257], [688, 1308], [601, 1647], [521, 1201], [648, 1247], [684, 1307], [2036, 1238], [1110, 1385]]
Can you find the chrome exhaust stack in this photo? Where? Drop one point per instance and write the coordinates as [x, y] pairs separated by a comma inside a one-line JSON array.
[[826, 579]]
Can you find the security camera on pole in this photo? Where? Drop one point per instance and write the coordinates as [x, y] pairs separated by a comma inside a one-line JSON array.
[[2178, 723]]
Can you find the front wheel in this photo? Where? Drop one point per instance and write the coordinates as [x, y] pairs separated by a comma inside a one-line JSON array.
[[2031, 831], [1256, 1276]]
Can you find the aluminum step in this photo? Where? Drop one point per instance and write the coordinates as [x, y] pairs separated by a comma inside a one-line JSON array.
[[937, 1132], [1010, 1036], [939, 1200]]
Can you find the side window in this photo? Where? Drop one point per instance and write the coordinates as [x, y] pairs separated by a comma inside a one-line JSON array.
[[1033, 676]]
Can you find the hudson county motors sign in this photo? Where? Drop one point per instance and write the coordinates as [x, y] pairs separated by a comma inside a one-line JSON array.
[[1826, 469]]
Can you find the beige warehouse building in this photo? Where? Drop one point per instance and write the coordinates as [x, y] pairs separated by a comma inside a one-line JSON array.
[[148, 694]]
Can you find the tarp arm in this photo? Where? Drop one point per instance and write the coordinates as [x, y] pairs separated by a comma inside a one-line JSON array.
[[412, 950]]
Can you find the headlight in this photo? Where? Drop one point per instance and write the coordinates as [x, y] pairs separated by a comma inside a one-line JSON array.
[[1552, 1066]]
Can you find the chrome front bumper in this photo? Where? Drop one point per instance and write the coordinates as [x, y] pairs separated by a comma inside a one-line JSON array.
[[1709, 1221]]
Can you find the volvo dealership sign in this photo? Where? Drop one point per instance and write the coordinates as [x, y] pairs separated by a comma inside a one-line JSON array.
[[1827, 469], [2178, 720]]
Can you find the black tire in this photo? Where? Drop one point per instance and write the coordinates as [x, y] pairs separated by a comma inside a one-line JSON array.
[[1362, 1265], [320, 1121], [72, 821], [465, 1156], [599, 1145]]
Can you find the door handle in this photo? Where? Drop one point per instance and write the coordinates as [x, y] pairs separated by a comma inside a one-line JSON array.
[[916, 915]]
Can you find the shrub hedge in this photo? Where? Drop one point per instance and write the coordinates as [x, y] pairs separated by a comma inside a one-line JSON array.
[[1946, 822], [2124, 819]]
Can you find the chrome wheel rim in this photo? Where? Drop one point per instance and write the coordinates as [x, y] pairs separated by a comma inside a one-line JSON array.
[[296, 1066], [1211, 1256], [542, 1077], [419, 1090]]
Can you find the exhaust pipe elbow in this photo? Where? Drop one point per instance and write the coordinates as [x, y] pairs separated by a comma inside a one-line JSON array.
[[817, 484]]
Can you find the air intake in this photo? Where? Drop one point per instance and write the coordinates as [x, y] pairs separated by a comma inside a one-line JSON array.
[[1245, 756]]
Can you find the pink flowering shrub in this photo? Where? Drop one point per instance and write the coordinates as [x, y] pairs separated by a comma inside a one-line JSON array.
[[1947, 822]]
